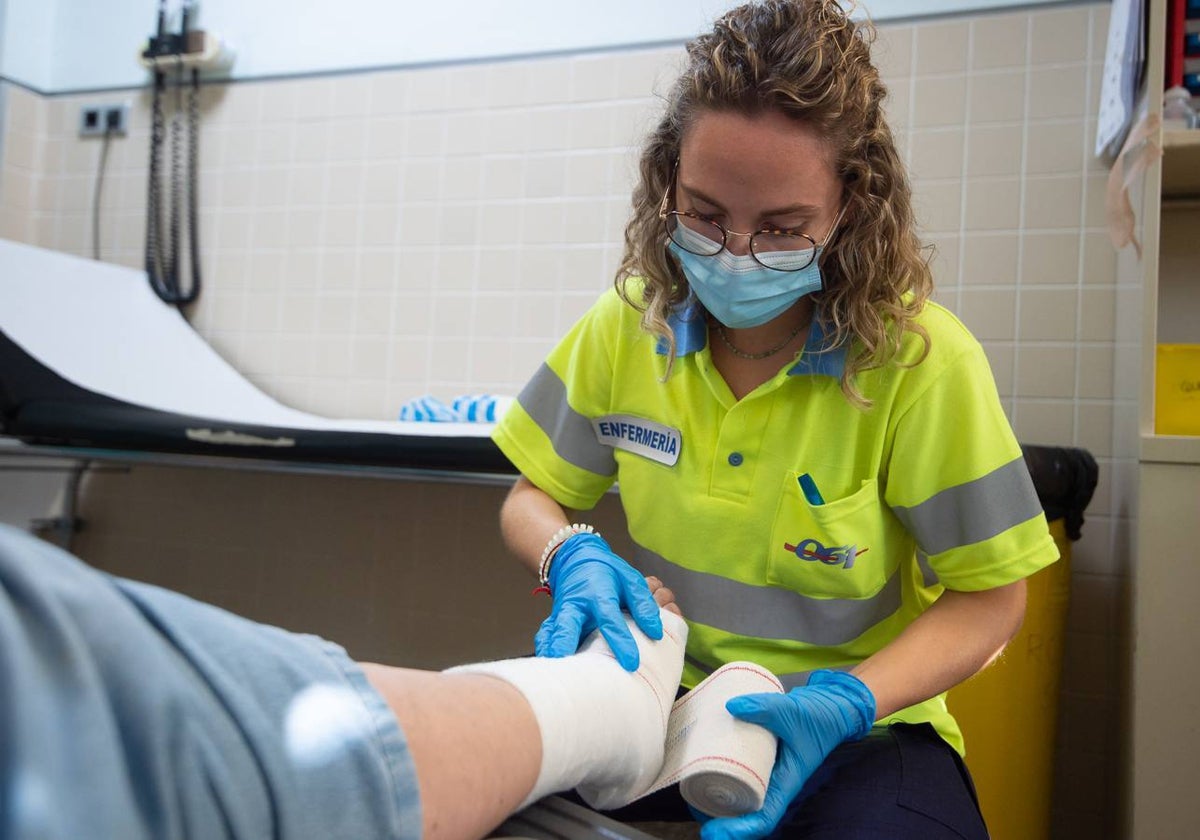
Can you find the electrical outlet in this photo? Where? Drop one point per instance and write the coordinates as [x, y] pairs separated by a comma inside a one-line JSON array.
[[98, 120]]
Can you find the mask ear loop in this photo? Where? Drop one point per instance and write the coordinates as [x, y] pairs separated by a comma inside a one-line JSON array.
[[666, 199]]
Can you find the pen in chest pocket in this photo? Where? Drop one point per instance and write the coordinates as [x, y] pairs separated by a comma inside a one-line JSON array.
[[809, 488]]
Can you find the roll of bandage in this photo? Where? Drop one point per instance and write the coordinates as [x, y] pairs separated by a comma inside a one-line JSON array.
[[722, 764]]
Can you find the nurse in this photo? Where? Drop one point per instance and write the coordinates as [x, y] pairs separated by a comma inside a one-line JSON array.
[[810, 453]]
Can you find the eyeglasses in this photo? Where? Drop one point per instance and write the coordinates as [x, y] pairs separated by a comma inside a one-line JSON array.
[[773, 248]]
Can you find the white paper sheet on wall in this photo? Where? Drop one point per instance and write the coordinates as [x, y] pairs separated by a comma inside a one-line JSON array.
[[1124, 60]]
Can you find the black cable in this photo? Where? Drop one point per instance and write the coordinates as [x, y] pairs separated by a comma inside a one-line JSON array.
[[164, 247], [108, 133]]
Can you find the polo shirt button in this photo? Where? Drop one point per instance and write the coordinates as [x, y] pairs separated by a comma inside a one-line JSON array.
[[735, 459]]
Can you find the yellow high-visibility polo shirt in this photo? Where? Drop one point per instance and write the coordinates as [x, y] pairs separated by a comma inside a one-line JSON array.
[[926, 489]]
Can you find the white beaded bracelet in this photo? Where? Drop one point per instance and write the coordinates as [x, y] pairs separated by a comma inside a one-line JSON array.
[[560, 536]]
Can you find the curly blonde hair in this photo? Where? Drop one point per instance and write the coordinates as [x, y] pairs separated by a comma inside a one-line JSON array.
[[809, 61]]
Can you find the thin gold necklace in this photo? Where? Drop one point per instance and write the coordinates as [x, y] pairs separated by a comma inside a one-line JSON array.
[[765, 354]]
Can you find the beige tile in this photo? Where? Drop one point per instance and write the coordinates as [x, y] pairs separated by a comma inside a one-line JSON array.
[[424, 135], [1046, 372], [1047, 314], [1054, 148], [386, 138], [372, 315], [418, 225], [340, 226], [1095, 213], [467, 87], [240, 104], [449, 362], [939, 100], [992, 204], [892, 53], [344, 183], [503, 178], [312, 144], [492, 317], [304, 227], [1098, 315], [1059, 36], [465, 135], [369, 358], [377, 269], [593, 77], [271, 186], [306, 185], [428, 90], [543, 222], [999, 41], [379, 225], [1095, 371], [990, 314], [590, 127], [587, 174], [277, 100], [1057, 93], [381, 182], [351, 96], [422, 181], [1095, 429], [897, 107], [549, 129], [1052, 203], [457, 270], [938, 205], [1050, 258], [994, 150], [584, 223], [389, 92], [1099, 259], [941, 47], [990, 259], [335, 314], [945, 262], [937, 153], [1045, 421], [637, 74], [410, 359], [545, 176], [16, 226]]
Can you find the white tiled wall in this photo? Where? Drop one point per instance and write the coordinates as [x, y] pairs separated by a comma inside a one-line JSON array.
[[371, 237]]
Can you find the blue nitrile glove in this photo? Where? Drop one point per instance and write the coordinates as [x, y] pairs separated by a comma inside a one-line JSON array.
[[590, 586], [809, 721]]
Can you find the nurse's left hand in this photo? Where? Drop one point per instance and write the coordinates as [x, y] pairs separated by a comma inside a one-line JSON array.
[[809, 722]]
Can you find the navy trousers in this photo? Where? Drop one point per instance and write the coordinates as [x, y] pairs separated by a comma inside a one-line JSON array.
[[902, 782]]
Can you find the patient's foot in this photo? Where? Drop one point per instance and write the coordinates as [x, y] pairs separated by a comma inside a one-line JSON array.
[[602, 727], [646, 701]]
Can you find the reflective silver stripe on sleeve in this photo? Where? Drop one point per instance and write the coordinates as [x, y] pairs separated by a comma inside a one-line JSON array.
[[544, 398], [768, 612], [928, 576], [973, 512]]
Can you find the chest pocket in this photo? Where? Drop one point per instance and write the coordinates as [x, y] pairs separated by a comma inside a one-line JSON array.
[[845, 548]]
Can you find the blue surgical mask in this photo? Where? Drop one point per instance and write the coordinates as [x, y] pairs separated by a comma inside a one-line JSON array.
[[739, 291]]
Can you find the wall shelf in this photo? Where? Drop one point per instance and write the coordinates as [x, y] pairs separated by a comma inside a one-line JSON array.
[[1170, 449]]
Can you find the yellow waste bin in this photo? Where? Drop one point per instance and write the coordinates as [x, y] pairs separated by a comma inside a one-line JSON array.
[[1009, 713]]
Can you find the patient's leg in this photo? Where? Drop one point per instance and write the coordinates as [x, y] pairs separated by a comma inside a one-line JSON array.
[[500, 735]]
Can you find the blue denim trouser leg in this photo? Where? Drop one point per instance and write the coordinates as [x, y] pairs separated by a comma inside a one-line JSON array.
[[131, 712]]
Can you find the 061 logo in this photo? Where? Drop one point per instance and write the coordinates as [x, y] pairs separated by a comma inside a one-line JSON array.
[[836, 555]]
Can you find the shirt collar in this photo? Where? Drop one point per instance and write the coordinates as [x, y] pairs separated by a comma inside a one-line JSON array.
[[688, 323]]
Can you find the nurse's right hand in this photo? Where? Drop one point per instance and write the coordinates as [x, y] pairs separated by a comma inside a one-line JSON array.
[[591, 586]]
